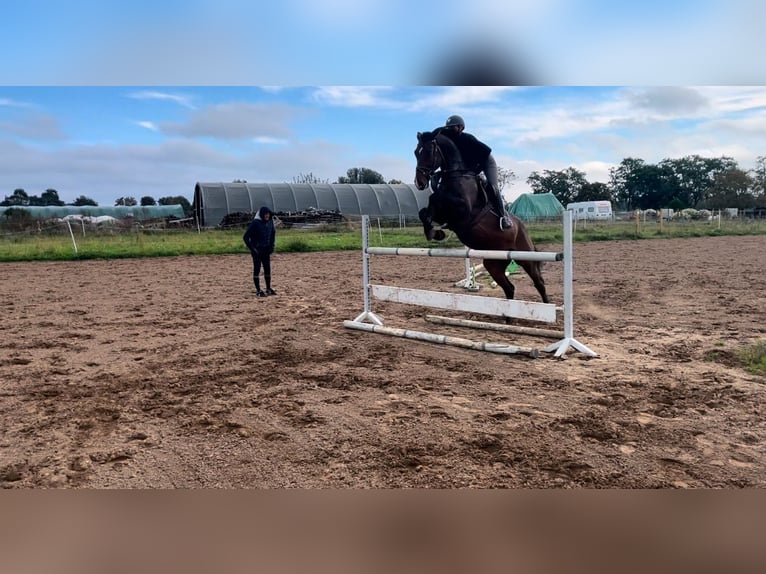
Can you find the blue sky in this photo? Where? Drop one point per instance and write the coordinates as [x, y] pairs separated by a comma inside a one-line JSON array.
[[109, 141], [132, 97], [379, 42]]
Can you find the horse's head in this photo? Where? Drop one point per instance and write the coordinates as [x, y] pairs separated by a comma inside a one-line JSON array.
[[429, 158]]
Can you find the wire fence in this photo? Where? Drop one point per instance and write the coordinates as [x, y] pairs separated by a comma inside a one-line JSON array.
[[84, 227]]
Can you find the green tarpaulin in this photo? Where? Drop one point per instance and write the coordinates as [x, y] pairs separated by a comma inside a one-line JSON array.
[[536, 206]]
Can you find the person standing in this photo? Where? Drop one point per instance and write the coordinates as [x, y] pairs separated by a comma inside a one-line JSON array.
[[260, 238]]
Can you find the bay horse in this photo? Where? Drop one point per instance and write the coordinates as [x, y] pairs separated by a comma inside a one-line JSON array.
[[460, 204]]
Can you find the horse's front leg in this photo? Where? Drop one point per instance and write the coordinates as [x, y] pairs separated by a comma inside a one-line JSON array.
[[431, 233]]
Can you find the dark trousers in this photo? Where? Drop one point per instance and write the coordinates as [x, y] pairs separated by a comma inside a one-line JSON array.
[[258, 260]]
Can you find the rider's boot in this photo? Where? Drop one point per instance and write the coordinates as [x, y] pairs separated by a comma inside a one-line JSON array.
[[505, 219]]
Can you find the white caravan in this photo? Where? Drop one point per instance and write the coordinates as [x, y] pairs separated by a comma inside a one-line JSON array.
[[592, 210]]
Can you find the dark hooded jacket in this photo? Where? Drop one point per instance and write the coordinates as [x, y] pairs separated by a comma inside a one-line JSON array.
[[260, 234]]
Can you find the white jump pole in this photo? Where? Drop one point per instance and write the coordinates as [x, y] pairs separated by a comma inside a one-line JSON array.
[[466, 252], [569, 340], [367, 314], [487, 305], [499, 348]]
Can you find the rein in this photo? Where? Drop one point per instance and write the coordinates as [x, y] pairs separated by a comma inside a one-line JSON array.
[[440, 162]]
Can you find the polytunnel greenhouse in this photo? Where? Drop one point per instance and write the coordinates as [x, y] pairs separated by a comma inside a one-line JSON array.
[[214, 201]]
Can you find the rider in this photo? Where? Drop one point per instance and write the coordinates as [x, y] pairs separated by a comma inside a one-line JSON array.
[[478, 156]]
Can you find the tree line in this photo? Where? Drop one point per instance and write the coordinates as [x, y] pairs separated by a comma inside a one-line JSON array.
[[690, 181], [353, 175], [50, 197]]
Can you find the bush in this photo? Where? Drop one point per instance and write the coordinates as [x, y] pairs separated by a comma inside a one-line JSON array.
[[17, 218]]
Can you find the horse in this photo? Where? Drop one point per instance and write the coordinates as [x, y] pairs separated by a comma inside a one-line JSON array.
[[460, 203]]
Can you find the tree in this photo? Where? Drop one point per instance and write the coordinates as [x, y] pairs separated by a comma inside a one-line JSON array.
[[693, 175], [309, 178], [505, 176], [676, 204], [622, 180], [361, 175], [731, 188], [394, 182], [596, 191], [147, 200], [50, 197], [239, 181], [18, 197], [83, 200], [129, 201], [636, 184], [177, 200], [759, 180], [564, 185]]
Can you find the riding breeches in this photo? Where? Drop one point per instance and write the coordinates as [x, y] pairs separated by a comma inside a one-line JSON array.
[[490, 171]]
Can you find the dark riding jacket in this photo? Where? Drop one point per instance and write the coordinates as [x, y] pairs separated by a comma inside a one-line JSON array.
[[260, 235], [474, 152]]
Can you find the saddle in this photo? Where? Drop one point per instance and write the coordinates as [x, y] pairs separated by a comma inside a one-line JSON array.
[[436, 180], [481, 181]]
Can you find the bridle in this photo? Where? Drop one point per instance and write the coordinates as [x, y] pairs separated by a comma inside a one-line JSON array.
[[436, 155]]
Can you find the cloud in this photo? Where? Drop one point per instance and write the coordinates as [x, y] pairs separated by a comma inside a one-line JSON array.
[[269, 140], [618, 115], [731, 99], [668, 99], [460, 96], [595, 170], [105, 172], [235, 121], [7, 102], [172, 167], [184, 101], [355, 96], [442, 98], [148, 125], [34, 127]]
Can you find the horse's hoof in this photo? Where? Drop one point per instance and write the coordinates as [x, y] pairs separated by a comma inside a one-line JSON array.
[[439, 235]]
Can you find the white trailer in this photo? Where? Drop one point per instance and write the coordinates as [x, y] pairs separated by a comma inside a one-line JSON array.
[[592, 210]]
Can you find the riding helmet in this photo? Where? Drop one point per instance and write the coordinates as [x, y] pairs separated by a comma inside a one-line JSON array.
[[455, 121]]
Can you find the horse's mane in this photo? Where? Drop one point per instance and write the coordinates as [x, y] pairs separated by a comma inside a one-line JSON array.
[[448, 147]]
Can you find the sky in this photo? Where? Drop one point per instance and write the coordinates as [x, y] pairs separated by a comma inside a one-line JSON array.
[[381, 42], [106, 142], [139, 97]]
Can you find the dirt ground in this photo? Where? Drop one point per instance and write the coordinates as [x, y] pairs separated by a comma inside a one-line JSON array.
[[168, 372]]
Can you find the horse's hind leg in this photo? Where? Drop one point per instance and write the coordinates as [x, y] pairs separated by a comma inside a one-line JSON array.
[[535, 271]]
